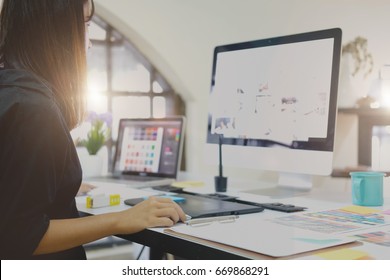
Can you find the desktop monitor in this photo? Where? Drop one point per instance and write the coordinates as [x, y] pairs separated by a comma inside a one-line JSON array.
[[274, 103]]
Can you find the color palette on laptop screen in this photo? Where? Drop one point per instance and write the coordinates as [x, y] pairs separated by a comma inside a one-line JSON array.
[[141, 149]]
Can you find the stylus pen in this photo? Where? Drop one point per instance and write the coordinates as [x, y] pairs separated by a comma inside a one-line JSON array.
[[206, 221], [220, 156]]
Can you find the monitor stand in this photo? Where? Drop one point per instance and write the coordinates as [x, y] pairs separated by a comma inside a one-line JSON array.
[[289, 185], [300, 182]]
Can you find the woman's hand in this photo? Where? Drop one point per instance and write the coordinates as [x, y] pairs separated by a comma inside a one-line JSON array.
[[153, 212], [85, 189]]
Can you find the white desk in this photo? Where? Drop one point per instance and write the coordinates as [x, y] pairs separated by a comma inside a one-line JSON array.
[[329, 193]]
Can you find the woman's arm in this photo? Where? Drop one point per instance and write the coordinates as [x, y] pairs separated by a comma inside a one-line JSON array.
[[68, 233]]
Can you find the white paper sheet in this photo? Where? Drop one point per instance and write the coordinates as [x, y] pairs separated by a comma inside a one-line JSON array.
[[263, 237]]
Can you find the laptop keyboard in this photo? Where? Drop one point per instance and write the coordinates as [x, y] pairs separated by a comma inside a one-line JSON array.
[[137, 178]]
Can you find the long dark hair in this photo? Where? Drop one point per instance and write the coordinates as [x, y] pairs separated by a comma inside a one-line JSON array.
[[47, 38]]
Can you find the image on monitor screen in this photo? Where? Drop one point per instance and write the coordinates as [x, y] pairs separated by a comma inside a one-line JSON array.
[[274, 101]]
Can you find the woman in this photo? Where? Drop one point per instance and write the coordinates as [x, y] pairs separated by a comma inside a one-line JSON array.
[[42, 85]]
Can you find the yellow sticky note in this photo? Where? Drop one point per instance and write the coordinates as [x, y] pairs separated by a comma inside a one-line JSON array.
[[359, 209], [343, 254], [187, 184]]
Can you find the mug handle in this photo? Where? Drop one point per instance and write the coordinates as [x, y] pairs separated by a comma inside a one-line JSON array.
[[357, 190]]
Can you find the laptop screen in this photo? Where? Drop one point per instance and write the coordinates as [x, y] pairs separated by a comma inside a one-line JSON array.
[[149, 147]]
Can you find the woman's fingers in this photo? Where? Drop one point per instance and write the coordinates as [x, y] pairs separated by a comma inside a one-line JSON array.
[[153, 212], [169, 209], [85, 189]]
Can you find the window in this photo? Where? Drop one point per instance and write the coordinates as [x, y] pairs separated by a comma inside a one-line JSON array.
[[122, 81], [118, 71]]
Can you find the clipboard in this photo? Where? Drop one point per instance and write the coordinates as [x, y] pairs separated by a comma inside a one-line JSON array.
[[260, 236]]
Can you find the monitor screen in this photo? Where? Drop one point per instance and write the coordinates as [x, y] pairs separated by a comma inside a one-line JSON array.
[[274, 101]]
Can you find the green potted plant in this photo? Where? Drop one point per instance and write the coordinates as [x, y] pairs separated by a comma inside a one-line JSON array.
[[92, 163], [362, 59], [356, 64], [99, 132]]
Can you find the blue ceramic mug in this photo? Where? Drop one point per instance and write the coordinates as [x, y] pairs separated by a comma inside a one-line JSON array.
[[367, 188]]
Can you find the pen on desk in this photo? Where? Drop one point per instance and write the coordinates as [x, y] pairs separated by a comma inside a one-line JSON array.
[[221, 219]]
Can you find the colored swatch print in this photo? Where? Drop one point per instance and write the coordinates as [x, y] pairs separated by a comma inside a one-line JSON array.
[[332, 221], [378, 237], [314, 224], [345, 216], [359, 209]]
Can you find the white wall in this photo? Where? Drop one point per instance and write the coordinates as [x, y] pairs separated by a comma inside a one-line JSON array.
[[179, 36]]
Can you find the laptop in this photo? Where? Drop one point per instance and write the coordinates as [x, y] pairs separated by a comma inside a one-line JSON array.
[[198, 206], [147, 152]]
